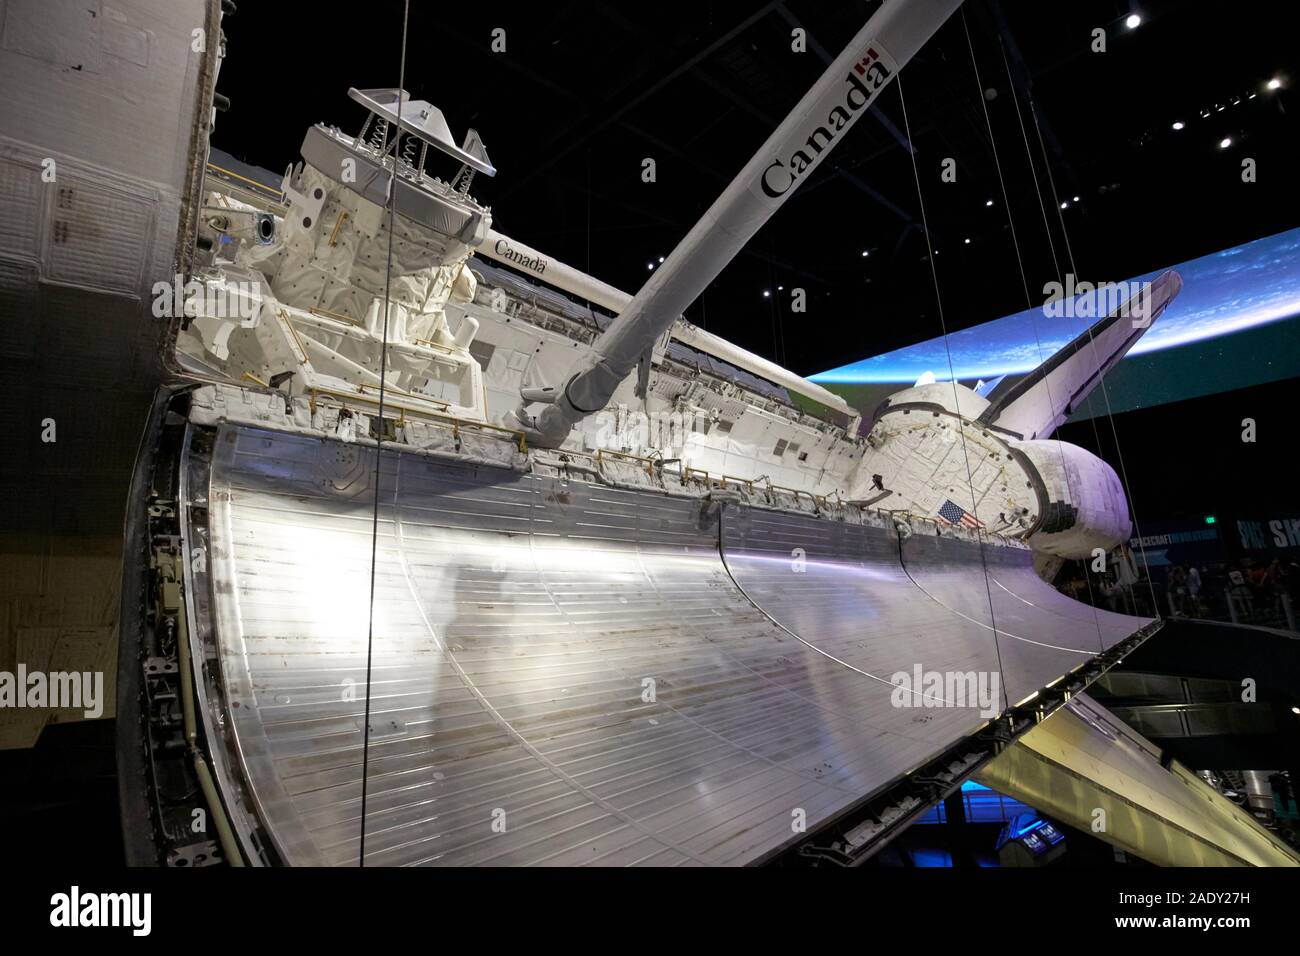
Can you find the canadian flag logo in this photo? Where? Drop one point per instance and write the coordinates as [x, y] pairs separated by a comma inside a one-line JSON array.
[[861, 66]]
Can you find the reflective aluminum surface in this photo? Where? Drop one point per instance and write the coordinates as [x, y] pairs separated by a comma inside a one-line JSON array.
[[566, 673]]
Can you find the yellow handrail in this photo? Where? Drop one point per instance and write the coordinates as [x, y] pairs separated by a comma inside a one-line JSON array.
[[457, 423], [397, 391], [335, 315], [794, 491], [435, 345], [251, 182], [338, 224], [687, 472], [649, 462]]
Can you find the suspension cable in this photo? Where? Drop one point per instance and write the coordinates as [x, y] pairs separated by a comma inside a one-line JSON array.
[[1105, 392], [379, 441], [961, 431], [1024, 279], [1058, 271]]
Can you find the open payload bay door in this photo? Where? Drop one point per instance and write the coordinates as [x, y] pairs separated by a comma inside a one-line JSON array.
[[1083, 766], [565, 672]]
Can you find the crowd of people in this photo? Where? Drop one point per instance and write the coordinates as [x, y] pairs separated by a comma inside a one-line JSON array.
[[1262, 590], [1248, 591]]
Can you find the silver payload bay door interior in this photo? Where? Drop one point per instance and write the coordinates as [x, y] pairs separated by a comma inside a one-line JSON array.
[[570, 673]]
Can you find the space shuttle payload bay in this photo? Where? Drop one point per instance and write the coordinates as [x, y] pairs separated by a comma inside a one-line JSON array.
[[652, 643]]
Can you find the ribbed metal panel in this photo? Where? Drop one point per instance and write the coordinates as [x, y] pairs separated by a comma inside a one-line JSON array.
[[1084, 760], [563, 673], [1040, 632]]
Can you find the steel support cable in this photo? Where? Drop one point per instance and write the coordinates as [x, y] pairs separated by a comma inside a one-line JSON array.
[[1024, 280], [1051, 242], [1105, 393], [943, 325], [391, 202]]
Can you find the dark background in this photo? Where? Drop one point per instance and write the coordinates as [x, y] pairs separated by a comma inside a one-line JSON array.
[[585, 91]]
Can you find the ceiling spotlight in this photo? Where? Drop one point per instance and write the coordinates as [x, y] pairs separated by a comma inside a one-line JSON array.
[[1076, 198], [1133, 21], [988, 202], [780, 288], [1295, 710], [766, 294], [968, 242], [661, 258], [1274, 83], [865, 253], [649, 265], [1251, 96], [1225, 142], [1065, 205], [1178, 124]]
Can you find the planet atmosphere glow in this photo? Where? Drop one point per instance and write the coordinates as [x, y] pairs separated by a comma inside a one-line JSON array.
[[1224, 293]]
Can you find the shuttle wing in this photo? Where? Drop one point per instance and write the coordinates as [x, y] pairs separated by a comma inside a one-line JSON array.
[[1034, 405]]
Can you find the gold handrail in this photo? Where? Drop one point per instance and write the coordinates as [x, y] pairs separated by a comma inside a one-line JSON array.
[[326, 313], [794, 491], [338, 224], [687, 472], [419, 398], [456, 423], [251, 182], [649, 462], [435, 345], [284, 317]]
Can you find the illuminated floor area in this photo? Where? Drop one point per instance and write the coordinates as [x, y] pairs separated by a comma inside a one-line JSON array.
[[566, 673], [965, 831]]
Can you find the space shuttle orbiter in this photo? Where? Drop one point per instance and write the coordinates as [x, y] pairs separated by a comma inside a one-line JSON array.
[[978, 458], [983, 458], [363, 621]]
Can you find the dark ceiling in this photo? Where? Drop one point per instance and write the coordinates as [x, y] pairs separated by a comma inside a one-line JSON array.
[[585, 91]]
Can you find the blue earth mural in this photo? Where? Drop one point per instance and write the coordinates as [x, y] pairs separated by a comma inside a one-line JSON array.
[[1228, 328]]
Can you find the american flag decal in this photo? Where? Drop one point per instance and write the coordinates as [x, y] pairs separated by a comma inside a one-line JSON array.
[[955, 514]]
